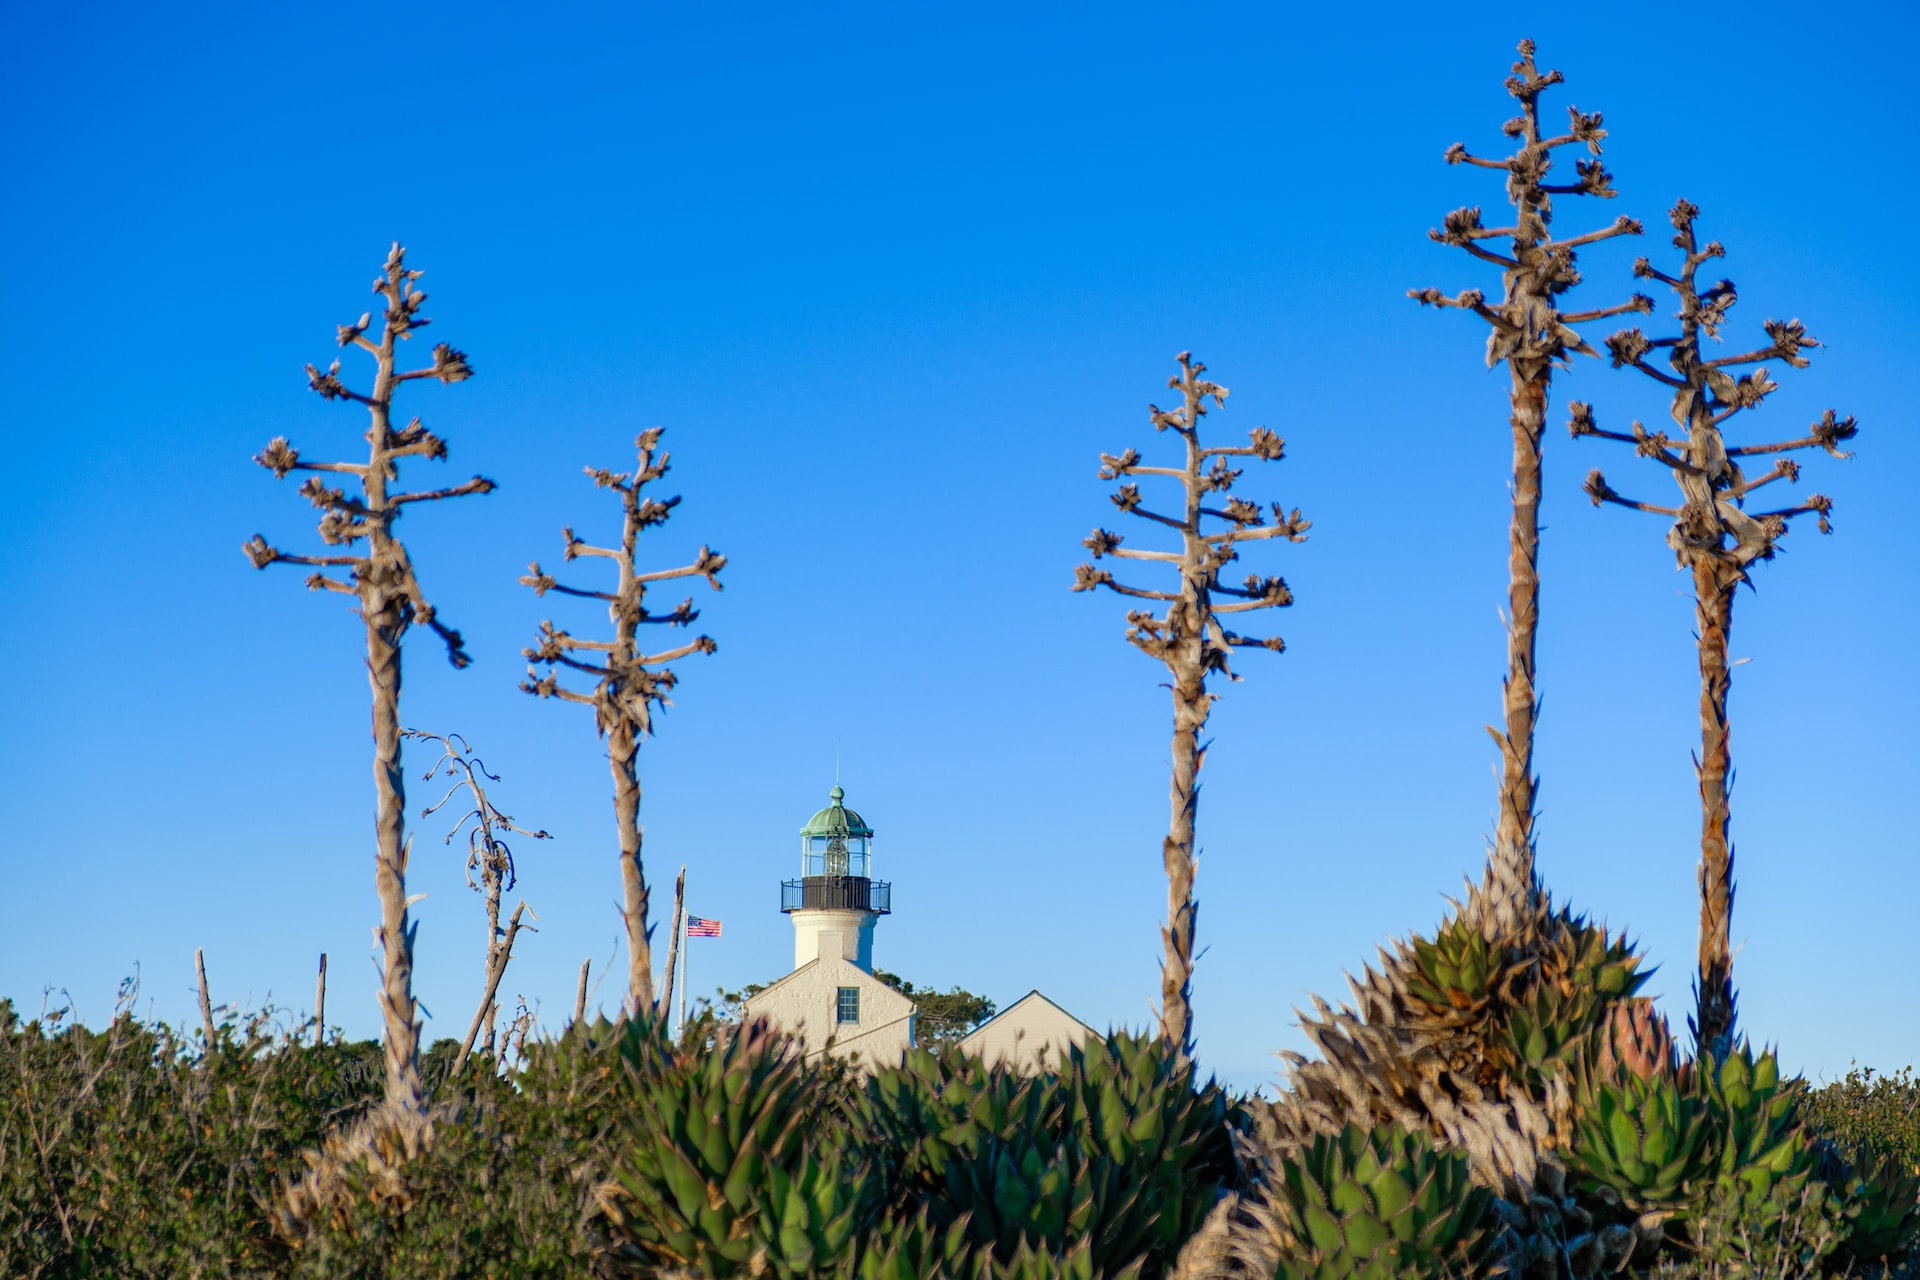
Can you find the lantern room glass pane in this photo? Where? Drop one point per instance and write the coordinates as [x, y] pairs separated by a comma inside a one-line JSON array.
[[835, 856]]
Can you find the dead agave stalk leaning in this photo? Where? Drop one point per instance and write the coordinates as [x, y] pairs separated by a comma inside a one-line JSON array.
[[1531, 334], [629, 680], [489, 857], [380, 578], [1715, 539], [1188, 635]]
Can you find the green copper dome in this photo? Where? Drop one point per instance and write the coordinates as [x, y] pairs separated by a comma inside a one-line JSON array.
[[837, 820]]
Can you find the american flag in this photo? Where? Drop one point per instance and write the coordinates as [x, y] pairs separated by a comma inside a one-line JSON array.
[[702, 928]]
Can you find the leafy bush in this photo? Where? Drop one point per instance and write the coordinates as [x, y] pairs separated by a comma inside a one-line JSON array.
[[1789, 1234], [132, 1151], [1868, 1113]]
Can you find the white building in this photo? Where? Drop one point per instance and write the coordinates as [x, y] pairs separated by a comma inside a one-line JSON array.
[[1027, 1035], [833, 1001]]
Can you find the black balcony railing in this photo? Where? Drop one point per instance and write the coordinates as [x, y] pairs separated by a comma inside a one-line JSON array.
[[837, 893]]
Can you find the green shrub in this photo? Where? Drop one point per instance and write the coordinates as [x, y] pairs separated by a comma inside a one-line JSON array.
[[132, 1152], [1791, 1233]]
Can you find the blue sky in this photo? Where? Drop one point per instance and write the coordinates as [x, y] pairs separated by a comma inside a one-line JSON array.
[[892, 277]]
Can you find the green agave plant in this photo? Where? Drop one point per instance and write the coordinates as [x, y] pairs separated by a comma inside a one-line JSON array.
[[1648, 1140], [714, 1168], [1756, 1116], [916, 1248], [1579, 982], [1029, 1263], [1589, 958], [1456, 973], [1380, 1205], [1160, 1143], [1115, 1149], [937, 1109], [1537, 1038]]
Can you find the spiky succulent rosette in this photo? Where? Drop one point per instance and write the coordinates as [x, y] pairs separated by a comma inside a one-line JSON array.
[[1470, 1039], [1467, 1035]]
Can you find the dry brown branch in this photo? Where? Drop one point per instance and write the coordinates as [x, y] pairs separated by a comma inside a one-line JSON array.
[[580, 995], [631, 681], [381, 578], [496, 969], [1715, 539], [1531, 334], [675, 939], [489, 856], [206, 1006], [1187, 635], [320, 1003]]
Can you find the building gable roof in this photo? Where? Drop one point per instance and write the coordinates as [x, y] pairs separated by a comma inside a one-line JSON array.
[[861, 978], [1022, 1003]]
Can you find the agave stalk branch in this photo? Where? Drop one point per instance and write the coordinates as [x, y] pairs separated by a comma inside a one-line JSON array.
[[496, 970], [1188, 636], [206, 1005], [1715, 540], [381, 578], [1531, 334], [676, 939], [632, 681]]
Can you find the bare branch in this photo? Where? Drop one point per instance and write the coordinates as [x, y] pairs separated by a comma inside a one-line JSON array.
[[321, 582], [542, 583], [1600, 491], [1815, 503], [1622, 226], [479, 484], [700, 644], [549, 687], [1639, 303], [1827, 434], [1784, 469]]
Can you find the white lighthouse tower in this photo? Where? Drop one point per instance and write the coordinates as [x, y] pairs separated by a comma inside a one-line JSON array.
[[831, 1000], [836, 901]]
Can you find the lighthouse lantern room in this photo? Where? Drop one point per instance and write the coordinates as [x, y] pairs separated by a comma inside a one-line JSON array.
[[836, 901]]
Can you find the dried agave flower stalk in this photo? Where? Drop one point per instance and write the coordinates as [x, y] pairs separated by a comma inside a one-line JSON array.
[[1188, 635], [1531, 334], [489, 857], [629, 679], [380, 577], [1393, 1055], [1714, 538]]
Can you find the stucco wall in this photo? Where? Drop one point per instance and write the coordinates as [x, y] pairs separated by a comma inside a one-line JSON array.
[[1027, 1033], [806, 1001]]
